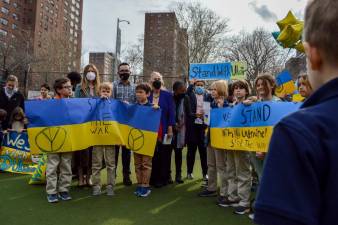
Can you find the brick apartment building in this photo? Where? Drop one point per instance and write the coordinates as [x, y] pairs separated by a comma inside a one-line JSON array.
[[55, 30], [105, 62], [165, 47]]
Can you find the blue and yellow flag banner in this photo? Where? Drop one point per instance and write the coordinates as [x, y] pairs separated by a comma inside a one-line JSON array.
[[285, 84], [15, 154], [247, 128], [65, 125]]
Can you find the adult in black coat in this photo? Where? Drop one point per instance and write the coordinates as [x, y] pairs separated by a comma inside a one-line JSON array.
[[10, 98], [195, 135]]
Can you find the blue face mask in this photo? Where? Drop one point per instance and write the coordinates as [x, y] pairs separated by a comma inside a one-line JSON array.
[[199, 90]]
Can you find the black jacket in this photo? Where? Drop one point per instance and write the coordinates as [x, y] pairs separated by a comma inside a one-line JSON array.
[[10, 104]]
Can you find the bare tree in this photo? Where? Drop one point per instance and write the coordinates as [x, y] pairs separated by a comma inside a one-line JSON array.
[[134, 56], [259, 50], [206, 30], [15, 53]]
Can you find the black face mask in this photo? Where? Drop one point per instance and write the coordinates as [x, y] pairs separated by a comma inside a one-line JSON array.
[[157, 84], [124, 76]]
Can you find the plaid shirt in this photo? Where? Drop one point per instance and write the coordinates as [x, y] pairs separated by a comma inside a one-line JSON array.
[[124, 92]]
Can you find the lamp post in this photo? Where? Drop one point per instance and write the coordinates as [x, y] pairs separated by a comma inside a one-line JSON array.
[[118, 43]]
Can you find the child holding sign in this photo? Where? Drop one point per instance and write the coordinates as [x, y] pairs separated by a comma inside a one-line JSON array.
[[238, 162], [143, 163], [216, 158], [104, 152], [58, 185]]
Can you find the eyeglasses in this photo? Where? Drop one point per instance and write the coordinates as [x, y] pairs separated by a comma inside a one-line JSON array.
[[124, 71]]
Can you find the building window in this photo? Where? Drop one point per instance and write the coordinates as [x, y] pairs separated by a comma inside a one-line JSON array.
[[14, 26], [15, 16], [3, 32], [4, 10], [3, 21]]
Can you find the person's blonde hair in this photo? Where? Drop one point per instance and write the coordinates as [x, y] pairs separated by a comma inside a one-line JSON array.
[[156, 73], [321, 28], [105, 86], [85, 82], [221, 87]]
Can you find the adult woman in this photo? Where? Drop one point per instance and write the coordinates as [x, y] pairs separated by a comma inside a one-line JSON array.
[[88, 87], [160, 175]]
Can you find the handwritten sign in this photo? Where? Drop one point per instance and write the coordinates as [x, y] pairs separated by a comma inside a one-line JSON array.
[[68, 125], [15, 154], [212, 71], [238, 70], [247, 128]]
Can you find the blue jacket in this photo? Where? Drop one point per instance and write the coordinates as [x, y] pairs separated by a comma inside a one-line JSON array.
[[167, 105], [300, 178]]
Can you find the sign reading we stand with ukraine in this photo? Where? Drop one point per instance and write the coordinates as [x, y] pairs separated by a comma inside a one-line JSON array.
[[247, 128], [217, 71], [65, 125]]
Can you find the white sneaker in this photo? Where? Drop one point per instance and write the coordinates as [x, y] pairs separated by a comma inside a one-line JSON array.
[[96, 190], [251, 216], [110, 190]]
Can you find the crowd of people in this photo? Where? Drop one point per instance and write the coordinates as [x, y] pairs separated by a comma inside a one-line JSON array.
[[298, 183], [182, 123]]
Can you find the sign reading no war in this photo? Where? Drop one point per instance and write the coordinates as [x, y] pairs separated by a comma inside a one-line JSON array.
[[213, 71]]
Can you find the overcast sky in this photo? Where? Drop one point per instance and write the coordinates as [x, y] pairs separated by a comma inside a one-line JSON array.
[[100, 17]]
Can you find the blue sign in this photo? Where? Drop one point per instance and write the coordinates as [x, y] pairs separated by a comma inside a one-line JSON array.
[[213, 71]]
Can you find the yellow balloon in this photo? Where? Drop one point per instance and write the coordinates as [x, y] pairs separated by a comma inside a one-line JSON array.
[[290, 19], [300, 47], [291, 35]]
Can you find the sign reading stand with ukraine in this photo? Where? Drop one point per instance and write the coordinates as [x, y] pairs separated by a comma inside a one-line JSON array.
[[66, 125], [247, 128]]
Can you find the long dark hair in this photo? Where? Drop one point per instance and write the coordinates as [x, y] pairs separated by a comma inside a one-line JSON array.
[[18, 111]]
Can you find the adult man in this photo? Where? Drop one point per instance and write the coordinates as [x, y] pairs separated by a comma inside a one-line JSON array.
[[300, 179], [10, 98], [124, 90]]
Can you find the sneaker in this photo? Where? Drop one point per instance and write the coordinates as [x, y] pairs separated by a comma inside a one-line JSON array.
[[52, 198], [179, 179], [64, 196], [241, 210], [205, 178], [96, 190], [145, 192], [251, 216], [207, 193], [225, 202], [110, 190], [138, 190], [190, 176]]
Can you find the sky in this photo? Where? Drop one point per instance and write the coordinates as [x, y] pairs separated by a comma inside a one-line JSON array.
[[100, 18]]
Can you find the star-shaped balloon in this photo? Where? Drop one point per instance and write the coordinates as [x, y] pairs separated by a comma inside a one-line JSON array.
[[290, 34]]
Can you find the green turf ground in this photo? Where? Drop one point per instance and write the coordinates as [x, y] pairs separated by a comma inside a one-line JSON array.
[[23, 204]]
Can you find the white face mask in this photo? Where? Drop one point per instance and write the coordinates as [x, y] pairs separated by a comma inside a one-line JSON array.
[[90, 76]]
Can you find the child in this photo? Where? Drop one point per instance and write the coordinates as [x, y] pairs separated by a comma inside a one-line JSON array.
[[44, 91], [238, 162], [300, 182], [18, 120], [195, 134], [183, 112], [106, 153], [304, 86], [58, 186], [143, 163], [217, 157]]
